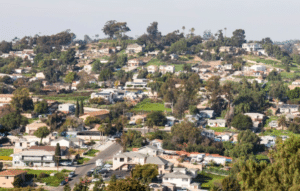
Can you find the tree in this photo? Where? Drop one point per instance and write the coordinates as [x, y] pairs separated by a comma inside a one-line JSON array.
[[242, 122], [281, 174], [238, 37], [18, 182], [180, 106], [1, 166], [81, 112], [42, 132], [96, 66], [158, 118], [282, 121], [179, 46], [21, 100], [193, 109], [70, 77], [230, 183], [77, 109], [113, 28], [144, 173], [67, 187], [57, 151], [12, 121], [129, 184], [41, 107]]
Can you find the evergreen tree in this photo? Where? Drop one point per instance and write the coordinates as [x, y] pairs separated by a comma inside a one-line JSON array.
[[57, 153], [81, 107], [77, 109], [67, 187]]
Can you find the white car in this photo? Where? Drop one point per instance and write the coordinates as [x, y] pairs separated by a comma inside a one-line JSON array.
[[84, 146], [95, 180]]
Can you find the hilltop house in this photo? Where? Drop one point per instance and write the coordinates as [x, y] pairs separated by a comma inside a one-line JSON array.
[[109, 95], [134, 48], [180, 177], [249, 47], [287, 108], [166, 69], [32, 127], [216, 122], [152, 69], [66, 108]]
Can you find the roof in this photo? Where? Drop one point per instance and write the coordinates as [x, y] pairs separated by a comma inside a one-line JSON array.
[[177, 175], [216, 121], [131, 155], [45, 148], [36, 124], [135, 45], [35, 153], [6, 95], [288, 106], [149, 147], [156, 160], [12, 172]]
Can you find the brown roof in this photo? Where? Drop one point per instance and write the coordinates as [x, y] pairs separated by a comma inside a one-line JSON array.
[[46, 148], [97, 113], [12, 172], [6, 95]]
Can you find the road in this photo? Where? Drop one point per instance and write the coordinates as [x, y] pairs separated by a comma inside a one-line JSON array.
[[83, 169]]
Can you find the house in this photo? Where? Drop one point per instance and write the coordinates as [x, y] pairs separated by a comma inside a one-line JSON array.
[[134, 48], [149, 150], [23, 144], [216, 122], [157, 143], [208, 133], [273, 124], [171, 120], [76, 142], [66, 108], [34, 158], [40, 75], [134, 62], [88, 68], [109, 95], [135, 85], [63, 150], [207, 113], [226, 49], [32, 127], [127, 160], [218, 159], [258, 68], [6, 98], [108, 50], [296, 82], [256, 116], [166, 69], [227, 67], [287, 108], [181, 178], [63, 142], [268, 141], [7, 177], [249, 47], [152, 69], [134, 118], [174, 56]]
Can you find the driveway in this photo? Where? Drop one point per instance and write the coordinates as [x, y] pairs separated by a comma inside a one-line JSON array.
[[83, 169]]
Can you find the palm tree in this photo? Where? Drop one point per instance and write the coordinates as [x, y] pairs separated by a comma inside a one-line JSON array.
[[183, 28], [192, 31], [225, 31], [282, 121]]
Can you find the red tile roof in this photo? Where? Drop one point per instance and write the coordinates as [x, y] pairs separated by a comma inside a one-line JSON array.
[[135, 149], [97, 113], [12, 172]]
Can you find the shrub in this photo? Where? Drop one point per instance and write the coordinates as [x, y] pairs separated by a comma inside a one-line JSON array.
[[43, 175]]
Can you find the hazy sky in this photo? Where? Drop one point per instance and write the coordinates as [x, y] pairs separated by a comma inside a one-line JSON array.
[[278, 19]]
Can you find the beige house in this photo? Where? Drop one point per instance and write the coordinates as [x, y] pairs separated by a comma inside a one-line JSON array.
[[152, 69], [6, 98], [166, 69], [134, 62], [134, 48], [32, 127], [7, 177], [134, 118], [40, 75]]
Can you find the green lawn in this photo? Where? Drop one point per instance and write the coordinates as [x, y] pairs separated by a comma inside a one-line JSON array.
[[146, 105], [82, 160], [92, 152], [218, 129], [274, 132], [208, 180], [157, 62], [6, 152], [288, 75], [261, 157]]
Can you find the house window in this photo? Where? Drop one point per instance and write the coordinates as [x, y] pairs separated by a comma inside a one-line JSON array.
[[185, 180], [20, 144], [17, 162], [7, 177], [121, 159], [166, 179]]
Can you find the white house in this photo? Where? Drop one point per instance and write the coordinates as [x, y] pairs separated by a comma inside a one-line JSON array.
[[34, 158], [207, 113], [249, 47], [216, 122], [152, 69], [258, 68], [107, 94], [66, 108], [157, 143], [40, 75], [179, 177], [273, 124], [166, 69], [218, 159], [134, 62], [87, 68], [135, 85], [6, 98], [62, 142], [287, 108], [296, 82]]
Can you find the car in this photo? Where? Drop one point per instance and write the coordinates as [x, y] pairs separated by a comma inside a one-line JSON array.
[[89, 173], [62, 183], [95, 179], [84, 146], [64, 163], [71, 174], [107, 166], [92, 170], [104, 175]]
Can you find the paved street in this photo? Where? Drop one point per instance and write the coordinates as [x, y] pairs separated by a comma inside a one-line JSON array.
[[83, 169]]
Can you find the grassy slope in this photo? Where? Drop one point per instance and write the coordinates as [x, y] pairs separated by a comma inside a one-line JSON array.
[[146, 105], [6, 152]]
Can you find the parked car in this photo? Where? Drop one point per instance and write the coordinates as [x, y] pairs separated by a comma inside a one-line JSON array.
[[92, 170], [89, 173], [95, 179], [62, 183], [72, 174], [64, 163], [84, 146]]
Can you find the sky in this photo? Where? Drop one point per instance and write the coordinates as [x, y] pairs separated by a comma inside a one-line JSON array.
[[277, 19]]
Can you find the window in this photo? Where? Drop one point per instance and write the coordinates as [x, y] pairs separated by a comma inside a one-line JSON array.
[[17, 162], [7, 177], [166, 179], [121, 159], [185, 180]]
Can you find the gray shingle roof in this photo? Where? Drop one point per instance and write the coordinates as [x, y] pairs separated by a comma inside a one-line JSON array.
[[177, 175], [156, 160]]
